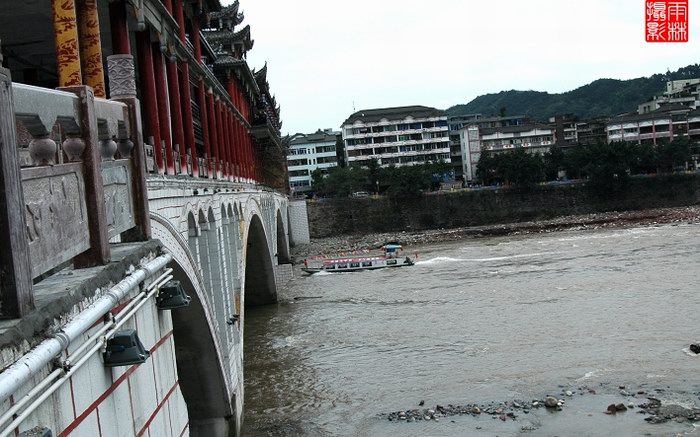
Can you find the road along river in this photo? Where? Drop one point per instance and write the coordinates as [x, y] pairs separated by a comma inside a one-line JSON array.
[[492, 323]]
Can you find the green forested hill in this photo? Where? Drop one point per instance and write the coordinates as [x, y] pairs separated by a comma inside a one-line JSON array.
[[600, 97]]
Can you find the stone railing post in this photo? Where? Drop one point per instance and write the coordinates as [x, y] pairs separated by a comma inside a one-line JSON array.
[[122, 84], [99, 252], [16, 297]]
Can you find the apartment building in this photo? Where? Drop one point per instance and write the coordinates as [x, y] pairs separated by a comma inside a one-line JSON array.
[[665, 123], [465, 135], [405, 135], [307, 152], [684, 92]]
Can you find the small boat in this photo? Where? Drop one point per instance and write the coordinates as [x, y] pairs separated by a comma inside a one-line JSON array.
[[390, 258]]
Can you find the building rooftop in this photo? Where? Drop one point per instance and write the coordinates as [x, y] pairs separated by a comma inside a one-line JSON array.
[[397, 114], [662, 112], [516, 128], [320, 136]]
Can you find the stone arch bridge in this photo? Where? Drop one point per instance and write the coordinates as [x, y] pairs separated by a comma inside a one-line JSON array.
[[179, 175], [230, 249]]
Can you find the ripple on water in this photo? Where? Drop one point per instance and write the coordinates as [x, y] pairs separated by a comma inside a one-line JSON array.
[[474, 320]]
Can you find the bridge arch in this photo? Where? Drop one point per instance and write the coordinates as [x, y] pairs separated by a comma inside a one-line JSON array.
[[260, 288], [282, 240], [199, 356]]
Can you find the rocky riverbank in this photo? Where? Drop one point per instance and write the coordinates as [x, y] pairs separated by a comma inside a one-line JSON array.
[[348, 243], [655, 406]]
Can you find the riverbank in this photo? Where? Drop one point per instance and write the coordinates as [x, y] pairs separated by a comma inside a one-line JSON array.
[[347, 243]]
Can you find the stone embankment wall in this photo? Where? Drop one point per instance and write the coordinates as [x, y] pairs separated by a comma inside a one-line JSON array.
[[298, 222], [334, 217]]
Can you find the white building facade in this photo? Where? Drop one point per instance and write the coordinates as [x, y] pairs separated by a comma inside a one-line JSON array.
[[475, 139], [308, 152], [406, 135]]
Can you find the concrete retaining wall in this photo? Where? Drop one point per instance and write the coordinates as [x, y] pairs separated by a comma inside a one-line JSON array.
[[475, 208]]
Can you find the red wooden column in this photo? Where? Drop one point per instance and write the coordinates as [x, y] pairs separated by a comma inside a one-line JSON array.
[[168, 5], [163, 114], [234, 146], [241, 149], [213, 134], [186, 94], [188, 124], [176, 112], [149, 93], [234, 167], [119, 27], [231, 88], [220, 136], [196, 41], [244, 145], [204, 119], [252, 155], [227, 140]]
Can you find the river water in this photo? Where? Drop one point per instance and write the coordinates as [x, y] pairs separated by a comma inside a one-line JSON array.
[[480, 321]]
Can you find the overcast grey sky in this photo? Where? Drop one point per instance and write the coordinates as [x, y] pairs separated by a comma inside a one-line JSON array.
[[325, 55]]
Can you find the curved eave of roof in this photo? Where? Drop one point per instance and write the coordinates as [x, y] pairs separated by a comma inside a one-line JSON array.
[[228, 62], [226, 11], [243, 36], [261, 75]]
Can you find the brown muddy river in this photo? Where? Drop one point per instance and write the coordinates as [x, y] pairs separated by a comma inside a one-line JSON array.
[[485, 321]]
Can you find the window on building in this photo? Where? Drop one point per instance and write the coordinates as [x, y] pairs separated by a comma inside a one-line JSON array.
[[404, 137], [416, 125], [402, 127], [298, 173], [327, 159], [298, 162]]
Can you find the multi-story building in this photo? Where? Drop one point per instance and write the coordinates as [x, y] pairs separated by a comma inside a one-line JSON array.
[[458, 156], [396, 136], [592, 131], [308, 152], [684, 92], [566, 130], [666, 123], [467, 132]]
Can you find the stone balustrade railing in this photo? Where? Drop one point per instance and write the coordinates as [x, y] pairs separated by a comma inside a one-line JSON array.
[[84, 184]]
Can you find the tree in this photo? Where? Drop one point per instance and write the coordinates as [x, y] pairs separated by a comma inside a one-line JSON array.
[[674, 155], [608, 167], [554, 160]]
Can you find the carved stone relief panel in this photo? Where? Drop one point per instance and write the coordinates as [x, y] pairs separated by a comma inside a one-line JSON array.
[[119, 203], [56, 215]]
